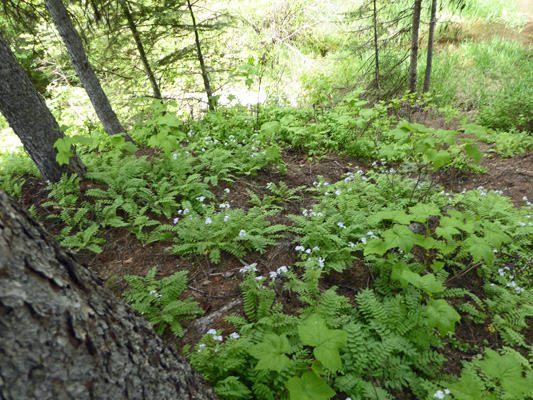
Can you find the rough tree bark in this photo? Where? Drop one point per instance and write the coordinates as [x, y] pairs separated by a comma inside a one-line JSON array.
[[27, 114], [64, 336], [211, 101], [83, 68], [431, 35], [140, 48], [414, 46]]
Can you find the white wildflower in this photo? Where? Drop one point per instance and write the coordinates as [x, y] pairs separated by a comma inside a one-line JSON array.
[[242, 233], [211, 332], [363, 240], [218, 338], [234, 335], [226, 190], [226, 218], [273, 274], [176, 220], [208, 221], [439, 394], [282, 270]]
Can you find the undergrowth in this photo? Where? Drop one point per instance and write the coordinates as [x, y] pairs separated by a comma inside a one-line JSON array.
[[418, 242]]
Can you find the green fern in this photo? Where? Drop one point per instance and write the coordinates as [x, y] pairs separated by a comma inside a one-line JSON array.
[[158, 300]]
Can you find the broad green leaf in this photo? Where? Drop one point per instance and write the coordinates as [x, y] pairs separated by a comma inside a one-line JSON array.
[[477, 130], [395, 215], [495, 235], [447, 232], [375, 246], [397, 274], [479, 249], [399, 236], [468, 388], [309, 387], [442, 316], [271, 352], [427, 283], [438, 158], [437, 266], [422, 211], [507, 371], [473, 152], [448, 137], [273, 153], [271, 128], [326, 342], [368, 113]]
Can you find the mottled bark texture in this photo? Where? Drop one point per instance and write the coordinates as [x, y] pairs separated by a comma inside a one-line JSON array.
[[31, 120], [64, 336], [413, 66], [83, 68]]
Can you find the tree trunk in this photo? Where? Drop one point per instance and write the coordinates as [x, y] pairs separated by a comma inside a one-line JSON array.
[[376, 48], [27, 114], [429, 63], [414, 46], [64, 336], [210, 99], [140, 47], [83, 68]]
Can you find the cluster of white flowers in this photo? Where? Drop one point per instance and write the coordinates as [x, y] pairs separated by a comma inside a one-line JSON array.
[[175, 156], [311, 213], [234, 335], [370, 235], [528, 203], [307, 251], [224, 205], [242, 233], [511, 284], [176, 220], [441, 394], [208, 221], [381, 160], [226, 190], [321, 262], [248, 268], [155, 294], [201, 199], [226, 217], [318, 184], [351, 244], [281, 270], [341, 225]]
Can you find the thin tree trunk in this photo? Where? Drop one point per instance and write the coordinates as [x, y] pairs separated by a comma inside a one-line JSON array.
[[27, 114], [376, 48], [210, 99], [64, 336], [414, 46], [83, 68], [429, 63], [140, 47]]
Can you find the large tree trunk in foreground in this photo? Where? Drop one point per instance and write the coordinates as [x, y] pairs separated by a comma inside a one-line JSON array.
[[27, 114], [83, 68], [413, 66], [64, 336]]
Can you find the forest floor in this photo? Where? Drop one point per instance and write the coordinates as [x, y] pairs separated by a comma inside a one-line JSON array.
[[216, 286]]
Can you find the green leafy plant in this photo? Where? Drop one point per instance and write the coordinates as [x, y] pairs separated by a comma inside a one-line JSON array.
[[158, 300]]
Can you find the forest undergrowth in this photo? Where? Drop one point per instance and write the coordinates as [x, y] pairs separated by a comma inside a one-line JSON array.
[[359, 274]]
